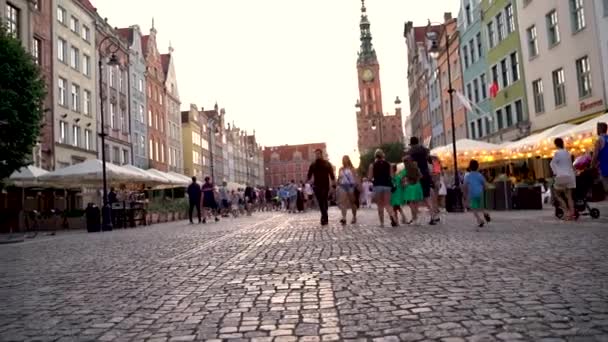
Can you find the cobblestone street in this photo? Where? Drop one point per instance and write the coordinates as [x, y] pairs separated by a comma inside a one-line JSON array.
[[279, 277]]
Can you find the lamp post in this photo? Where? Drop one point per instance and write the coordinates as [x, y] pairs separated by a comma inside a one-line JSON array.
[[210, 130], [110, 49], [434, 53]]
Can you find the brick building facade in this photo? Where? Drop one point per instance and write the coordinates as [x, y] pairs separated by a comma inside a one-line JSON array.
[[289, 162]]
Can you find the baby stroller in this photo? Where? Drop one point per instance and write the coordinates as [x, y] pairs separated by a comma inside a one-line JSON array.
[[584, 182]]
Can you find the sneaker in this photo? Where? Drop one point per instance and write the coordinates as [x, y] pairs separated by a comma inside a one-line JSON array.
[[343, 222], [354, 221], [481, 224], [487, 217], [204, 220], [217, 219]]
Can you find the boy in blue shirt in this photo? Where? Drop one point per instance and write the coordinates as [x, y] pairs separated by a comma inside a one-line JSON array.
[[474, 187]]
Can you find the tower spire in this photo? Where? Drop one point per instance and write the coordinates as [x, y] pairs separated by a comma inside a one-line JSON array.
[[367, 53]]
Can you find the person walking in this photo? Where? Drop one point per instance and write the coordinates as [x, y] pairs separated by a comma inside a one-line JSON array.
[[322, 172], [380, 174], [347, 183], [473, 190], [565, 178], [412, 195], [194, 199], [420, 155], [600, 153], [398, 194], [209, 203]]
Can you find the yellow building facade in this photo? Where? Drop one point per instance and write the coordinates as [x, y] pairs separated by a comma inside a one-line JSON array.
[[191, 139]]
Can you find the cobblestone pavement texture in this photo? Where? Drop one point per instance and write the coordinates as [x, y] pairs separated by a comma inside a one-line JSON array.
[[279, 277]]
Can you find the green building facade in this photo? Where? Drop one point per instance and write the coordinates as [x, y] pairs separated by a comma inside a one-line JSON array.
[[505, 71]]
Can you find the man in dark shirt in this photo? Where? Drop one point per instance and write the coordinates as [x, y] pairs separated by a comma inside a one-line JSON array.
[[322, 171], [421, 156], [209, 203], [194, 197]]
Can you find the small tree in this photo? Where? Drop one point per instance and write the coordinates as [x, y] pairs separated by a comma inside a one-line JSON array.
[[22, 91], [392, 151]]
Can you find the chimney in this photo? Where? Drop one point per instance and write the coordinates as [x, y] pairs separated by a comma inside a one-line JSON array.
[[447, 16]]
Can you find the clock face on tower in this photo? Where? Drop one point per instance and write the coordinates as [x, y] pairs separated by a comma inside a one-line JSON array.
[[367, 75]]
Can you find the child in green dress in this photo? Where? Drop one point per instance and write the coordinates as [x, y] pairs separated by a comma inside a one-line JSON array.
[[413, 194], [398, 194]]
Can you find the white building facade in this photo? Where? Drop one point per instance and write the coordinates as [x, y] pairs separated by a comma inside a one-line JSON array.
[[562, 61]]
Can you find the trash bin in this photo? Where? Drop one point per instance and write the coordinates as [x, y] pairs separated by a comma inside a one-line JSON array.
[[93, 218]]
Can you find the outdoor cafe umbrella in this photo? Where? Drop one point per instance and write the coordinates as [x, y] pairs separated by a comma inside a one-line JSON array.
[[152, 179], [89, 173]]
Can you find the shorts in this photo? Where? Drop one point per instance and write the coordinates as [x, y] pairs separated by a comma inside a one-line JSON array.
[[210, 204], [427, 184], [382, 189], [475, 203], [564, 182], [348, 188]]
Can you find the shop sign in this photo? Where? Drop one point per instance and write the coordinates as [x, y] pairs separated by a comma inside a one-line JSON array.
[[588, 105]]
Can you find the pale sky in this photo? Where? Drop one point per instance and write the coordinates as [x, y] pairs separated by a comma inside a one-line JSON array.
[[286, 68]]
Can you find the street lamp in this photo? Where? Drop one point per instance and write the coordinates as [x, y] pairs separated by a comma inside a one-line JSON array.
[[212, 132], [433, 39], [111, 49]]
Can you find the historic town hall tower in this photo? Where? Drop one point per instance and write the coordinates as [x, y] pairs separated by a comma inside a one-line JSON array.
[[373, 126]]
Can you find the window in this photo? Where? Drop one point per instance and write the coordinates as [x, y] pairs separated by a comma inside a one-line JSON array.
[[75, 97], [605, 8], [112, 77], [538, 94], [467, 11], [583, 75], [75, 136], [62, 84], [125, 157], [150, 118], [479, 47], [476, 90], [509, 115], [155, 121], [86, 109], [85, 33], [162, 153], [74, 25], [552, 28], [479, 128], [140, 85], [12, 20], [491, 35], [465, 56], [141, 113], [142, 144], [559, 87], [106, 151], [74, 58], [36, 4], [473, 135], [113, 115], [36, 46], [488, 125], [519, 111], [63, 132], [469, 92], [514, 67], [62, 49], [61, 14], [578, 15], [87, 139], [500, 26], [510, 18], [121, 81], [472, 49], [150, 149], [86, 65], [532, 41], [499, 120], [484, 86], [123, 120], [115, 155], [504, 73]]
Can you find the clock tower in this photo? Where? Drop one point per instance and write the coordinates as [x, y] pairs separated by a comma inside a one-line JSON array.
[[373, 127]]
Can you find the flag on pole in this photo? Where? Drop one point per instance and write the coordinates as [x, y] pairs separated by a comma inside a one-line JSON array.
[[494, 89], [465, 102]]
